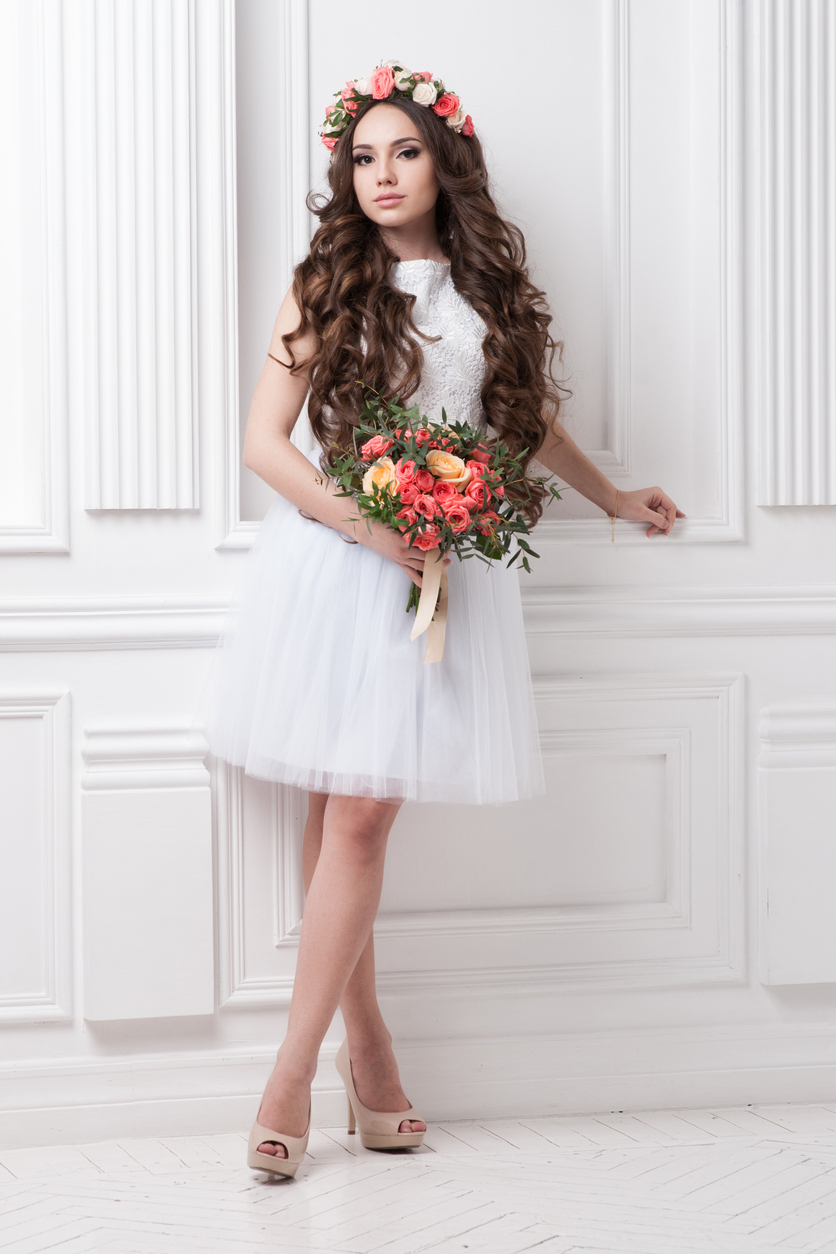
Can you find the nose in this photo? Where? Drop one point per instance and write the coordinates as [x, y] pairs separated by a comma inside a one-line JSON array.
[[385, 172]]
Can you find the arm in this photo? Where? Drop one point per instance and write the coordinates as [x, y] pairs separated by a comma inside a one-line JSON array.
[[560, 454], [276, 405]]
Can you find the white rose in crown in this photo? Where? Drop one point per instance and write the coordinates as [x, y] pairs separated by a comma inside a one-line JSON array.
[[425, 94], [362, 86], [456, 120], [403, 77]]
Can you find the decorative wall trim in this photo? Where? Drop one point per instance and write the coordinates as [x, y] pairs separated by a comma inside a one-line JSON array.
[[52, 1001], [293, 220], [194, 622], [164, 755], [71, 1100], [48, 200], [235, 987], [794, 56], [142, 254], [728, 525]]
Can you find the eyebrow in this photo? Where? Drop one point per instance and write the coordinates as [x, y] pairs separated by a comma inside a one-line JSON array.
[[408, 139]]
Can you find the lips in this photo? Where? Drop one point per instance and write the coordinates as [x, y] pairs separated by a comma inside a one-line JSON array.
[[391, 198]]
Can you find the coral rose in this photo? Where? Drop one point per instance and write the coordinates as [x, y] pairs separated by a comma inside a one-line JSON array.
[[383, 81], [476, 496], [424, 480], [444, 491], [381, 473], [477, 469], [428, 538], [376, 446], [408, 515], [480, 455], [422, 436], [408, 493], [405, 471], [457, 515], [447, 105], [487, 522], [427, 506]]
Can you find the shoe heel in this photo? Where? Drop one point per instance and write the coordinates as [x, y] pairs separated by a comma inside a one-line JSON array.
[[351, 1123]]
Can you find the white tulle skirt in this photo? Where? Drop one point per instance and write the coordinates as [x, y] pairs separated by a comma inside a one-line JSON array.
[[315, 681]]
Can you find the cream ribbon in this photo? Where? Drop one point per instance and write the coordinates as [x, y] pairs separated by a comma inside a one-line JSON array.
[[427, 618]]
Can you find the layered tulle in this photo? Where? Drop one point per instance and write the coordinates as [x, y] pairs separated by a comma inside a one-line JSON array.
[[316, 683]]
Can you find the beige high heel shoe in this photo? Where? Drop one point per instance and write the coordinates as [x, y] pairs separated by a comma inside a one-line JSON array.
[[295, 1147], [378, 1129]]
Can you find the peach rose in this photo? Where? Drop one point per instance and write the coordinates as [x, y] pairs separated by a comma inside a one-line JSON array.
[[447, 105], [447, 466], [376, 446], [382, 83], [457, 515], [383, 474], [424, 480], [428, 538]]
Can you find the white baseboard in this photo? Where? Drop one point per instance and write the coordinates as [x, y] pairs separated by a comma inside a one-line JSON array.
[[75, 1101]]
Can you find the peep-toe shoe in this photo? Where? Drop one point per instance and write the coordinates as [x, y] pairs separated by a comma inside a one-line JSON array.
[[378, 1129], [295, 1147]]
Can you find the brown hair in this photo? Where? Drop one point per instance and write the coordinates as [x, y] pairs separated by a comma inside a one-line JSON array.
[[344, 293]]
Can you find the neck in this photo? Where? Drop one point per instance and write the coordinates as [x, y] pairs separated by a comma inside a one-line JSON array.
[[415, 241]]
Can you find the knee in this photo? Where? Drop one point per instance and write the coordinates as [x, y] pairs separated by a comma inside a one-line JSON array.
[[363, 830]]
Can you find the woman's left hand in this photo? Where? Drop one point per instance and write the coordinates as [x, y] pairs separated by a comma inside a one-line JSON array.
[[649, 505]]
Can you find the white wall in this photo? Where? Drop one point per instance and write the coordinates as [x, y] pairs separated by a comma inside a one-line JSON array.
[[658, 930]]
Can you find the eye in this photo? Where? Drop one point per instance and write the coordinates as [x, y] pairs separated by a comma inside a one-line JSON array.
[[410, 153], [362, 158]]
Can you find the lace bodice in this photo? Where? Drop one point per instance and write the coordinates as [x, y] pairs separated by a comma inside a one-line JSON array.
[[454, 366]]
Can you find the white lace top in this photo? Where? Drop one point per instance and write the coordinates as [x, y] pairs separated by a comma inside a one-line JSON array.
[[454, 366]]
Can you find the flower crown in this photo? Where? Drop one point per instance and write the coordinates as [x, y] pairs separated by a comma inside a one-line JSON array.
[[392, 82]]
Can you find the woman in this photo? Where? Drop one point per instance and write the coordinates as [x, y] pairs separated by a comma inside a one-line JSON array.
[[416, 282]]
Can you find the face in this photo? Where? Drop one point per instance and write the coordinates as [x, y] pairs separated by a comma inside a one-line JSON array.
[[394, 178]]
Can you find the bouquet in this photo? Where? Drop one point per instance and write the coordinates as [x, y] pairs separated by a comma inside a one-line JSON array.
[[442, 485]]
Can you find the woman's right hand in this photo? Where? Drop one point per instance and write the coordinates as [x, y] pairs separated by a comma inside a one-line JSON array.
[[394, 546]]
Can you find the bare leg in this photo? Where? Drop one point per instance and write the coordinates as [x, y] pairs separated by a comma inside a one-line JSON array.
[[373, 1062], [341, 904]]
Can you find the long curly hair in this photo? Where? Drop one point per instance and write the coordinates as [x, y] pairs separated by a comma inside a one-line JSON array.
[[363, 325]]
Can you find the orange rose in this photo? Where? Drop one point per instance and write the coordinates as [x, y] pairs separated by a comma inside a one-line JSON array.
[[449, 467]]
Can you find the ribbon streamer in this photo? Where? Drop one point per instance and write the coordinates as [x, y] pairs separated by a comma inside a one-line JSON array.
[[428, 617]]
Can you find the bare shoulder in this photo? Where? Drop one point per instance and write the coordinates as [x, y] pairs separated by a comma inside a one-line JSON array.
[[288, 320]]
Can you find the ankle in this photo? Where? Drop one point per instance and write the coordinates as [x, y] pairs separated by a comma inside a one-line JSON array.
[[369, 1041], [296, 1071]]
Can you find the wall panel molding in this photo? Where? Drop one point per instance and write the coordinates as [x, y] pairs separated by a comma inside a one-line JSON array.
[[141, 245], [46, 927], [146, 872], [194, 622], [794, 55], [43, 428], [294, 233]]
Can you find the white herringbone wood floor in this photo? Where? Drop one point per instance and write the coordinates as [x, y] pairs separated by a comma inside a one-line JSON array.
[[736, 1181]]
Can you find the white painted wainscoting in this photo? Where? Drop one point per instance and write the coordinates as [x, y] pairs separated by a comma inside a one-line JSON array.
[[658, 931]]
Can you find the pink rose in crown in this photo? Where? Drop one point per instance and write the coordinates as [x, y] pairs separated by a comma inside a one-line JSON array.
[[408, 493], [428, 538], [447, 105], [427, 506], [382, 81], [329, 142], [444, 491], [424, 480], [467, 129], [476, 496], [457, 515], [423, 74], [376, 447]]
